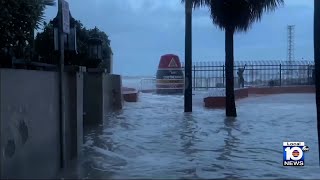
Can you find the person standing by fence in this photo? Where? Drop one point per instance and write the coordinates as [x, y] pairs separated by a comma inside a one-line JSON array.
[[240, 76]]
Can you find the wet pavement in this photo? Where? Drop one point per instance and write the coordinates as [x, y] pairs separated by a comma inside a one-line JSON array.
[[153, 138]]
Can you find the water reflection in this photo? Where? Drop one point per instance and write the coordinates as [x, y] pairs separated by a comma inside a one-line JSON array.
[[188, 135], [231, 144]]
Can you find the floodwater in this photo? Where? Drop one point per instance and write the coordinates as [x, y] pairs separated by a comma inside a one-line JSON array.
[[154, 138]]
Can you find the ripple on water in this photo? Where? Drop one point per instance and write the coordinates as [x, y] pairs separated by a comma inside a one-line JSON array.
[[153, 138]]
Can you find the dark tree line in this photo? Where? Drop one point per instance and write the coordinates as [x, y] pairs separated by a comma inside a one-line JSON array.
[[44, 45], [18, 20]]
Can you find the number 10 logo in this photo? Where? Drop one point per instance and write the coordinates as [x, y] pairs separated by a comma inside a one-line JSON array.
[[293, 153]]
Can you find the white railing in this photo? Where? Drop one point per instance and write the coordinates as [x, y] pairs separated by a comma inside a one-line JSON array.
[[147, 83]]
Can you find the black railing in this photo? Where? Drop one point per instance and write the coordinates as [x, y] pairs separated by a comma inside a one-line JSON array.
[[208, 75]]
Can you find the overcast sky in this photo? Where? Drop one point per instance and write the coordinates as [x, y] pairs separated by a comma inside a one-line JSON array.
[[142, 30]]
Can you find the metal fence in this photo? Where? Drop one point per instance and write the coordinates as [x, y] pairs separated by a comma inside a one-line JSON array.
[[208, 75]]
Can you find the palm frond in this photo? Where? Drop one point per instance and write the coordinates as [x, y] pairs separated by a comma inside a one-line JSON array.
[[236, 14], [47, 2], [40, 11], [198, 3]]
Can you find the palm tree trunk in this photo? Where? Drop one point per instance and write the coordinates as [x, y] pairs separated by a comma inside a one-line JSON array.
[[316, 39], [188, 58], [230, 100]]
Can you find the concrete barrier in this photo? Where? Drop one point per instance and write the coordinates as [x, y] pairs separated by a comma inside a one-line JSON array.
[[282, 89], [215, 102], [130, 96], [102, 94], [219, 102], [241, 93], [29, 122]]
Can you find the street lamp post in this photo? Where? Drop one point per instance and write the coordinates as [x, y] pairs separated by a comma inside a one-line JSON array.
[[61, 84], [188, 58]]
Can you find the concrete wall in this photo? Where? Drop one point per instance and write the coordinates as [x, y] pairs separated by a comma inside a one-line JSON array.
[[29, 122], [93, 103], [102, 94], [74, 114], [112, 86]]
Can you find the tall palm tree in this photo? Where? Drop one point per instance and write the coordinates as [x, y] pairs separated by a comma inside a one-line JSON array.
[[234, 16], [316, 41]]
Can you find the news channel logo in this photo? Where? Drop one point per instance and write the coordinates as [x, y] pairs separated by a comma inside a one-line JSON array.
[[293, 153]]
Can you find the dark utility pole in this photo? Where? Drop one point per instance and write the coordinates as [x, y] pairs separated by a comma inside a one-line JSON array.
[[316, 41], [188, 58], [61, 85]]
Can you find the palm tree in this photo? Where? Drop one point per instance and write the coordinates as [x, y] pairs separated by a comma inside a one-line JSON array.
[[316, 40], [234, 16]]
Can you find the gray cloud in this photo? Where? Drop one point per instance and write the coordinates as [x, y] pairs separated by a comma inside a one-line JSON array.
[[143, 30]]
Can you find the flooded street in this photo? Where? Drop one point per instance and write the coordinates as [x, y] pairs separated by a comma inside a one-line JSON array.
[[155, 139]]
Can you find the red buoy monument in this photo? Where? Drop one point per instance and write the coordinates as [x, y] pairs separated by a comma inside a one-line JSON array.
[[170, 77]]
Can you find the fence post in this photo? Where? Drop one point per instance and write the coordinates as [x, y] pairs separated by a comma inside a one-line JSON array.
[[223, 79], [280, 74], [252, 75], [194, 77], [308, 71]]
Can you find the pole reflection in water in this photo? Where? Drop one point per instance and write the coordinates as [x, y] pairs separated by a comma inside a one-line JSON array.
[[188, 136], [231, 145], [231, 141]]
